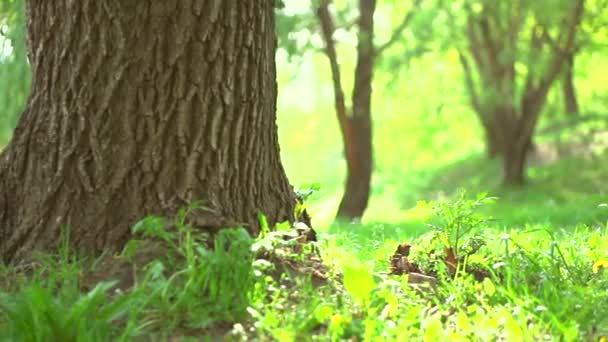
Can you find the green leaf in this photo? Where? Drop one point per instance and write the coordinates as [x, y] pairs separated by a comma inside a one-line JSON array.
[[488, 287], [264, 228], [153, 226], [359, 281], [131, 248]]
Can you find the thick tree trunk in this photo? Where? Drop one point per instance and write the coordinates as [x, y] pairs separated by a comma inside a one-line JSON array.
[[512, 139], [138, 108], [494, 138], [514, 161], [520, 135], [495, 123], [498, 137], [568, 88], [360, 162]]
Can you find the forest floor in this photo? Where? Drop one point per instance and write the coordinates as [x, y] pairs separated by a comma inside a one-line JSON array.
[[527, 264]]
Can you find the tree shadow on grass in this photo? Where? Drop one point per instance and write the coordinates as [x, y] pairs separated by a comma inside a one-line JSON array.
[[564, 194]]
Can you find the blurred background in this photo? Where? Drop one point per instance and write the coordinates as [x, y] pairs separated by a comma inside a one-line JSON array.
[[441, 71]]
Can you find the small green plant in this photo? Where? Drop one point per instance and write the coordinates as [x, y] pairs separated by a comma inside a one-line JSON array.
[[192, 284], [359, 282], [38, 314], [454, 220], [455, 239], [540, 282]]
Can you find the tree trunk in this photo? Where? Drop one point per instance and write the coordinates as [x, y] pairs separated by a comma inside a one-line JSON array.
[[360, 162], [514, 161], [495, 124], [514, 140], [497, 137], [493, 47], [520, 135], [568, 88], [494, 140], [138, 108], [359, 171]]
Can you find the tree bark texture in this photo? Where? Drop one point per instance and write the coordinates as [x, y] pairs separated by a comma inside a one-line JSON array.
[[139, 108]]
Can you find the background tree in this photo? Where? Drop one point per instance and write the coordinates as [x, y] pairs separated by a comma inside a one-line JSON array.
[[355, 121], [16, 77], [590, 36], [139, 108], [356, 124], [356, 127], [502, 38]]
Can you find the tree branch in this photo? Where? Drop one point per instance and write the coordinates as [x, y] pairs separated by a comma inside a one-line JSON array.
[[534, 96], [470, 84], [364, 69], [327, 31], [399, 30], [561, 53]]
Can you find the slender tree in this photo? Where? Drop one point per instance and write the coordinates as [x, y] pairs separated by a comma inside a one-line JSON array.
[[138, 108], [356, 123]]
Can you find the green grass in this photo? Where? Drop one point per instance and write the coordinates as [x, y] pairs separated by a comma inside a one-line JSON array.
[[537, 257], [564, 194]]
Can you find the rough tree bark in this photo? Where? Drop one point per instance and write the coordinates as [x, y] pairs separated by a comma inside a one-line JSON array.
[[138, 108]]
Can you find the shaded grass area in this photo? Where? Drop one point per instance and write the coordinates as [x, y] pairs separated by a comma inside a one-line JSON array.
[[557, 197], [564, 194]]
